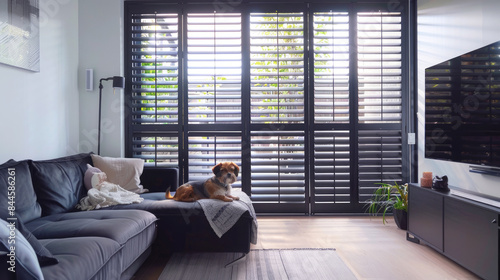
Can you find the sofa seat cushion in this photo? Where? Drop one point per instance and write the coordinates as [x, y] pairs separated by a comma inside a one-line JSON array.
[[117, 225], [84, 258], [135, 230]]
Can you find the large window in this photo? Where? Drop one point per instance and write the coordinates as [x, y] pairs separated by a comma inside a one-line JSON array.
[[307, 99]]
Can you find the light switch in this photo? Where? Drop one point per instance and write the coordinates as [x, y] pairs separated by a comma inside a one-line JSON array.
[[411, 138]]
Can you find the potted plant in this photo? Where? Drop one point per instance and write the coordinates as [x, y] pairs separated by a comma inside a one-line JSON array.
[[391, 198]]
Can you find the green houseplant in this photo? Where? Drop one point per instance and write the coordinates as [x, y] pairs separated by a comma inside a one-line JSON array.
[[391, 198]]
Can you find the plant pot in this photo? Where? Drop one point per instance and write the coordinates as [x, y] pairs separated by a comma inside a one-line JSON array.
[[401, 218]]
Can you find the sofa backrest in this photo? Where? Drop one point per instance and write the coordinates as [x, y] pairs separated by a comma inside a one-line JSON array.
[[58, 183], [159, 179], [17, 195]]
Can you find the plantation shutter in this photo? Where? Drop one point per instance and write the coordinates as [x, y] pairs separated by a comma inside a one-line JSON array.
[[155, 74], [331, 67], [307, 98], [157, 149], [332, 168], [277, 67], [379, 160], [214, 92], [154, 88], [278, 171], [214, 68], [277, 87], [332, 165], [379, 100]]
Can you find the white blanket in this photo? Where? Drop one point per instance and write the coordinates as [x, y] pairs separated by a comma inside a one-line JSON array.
[[106, 194], [223, 215]]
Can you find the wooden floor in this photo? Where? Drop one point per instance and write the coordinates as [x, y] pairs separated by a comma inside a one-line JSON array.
[[371, 249]]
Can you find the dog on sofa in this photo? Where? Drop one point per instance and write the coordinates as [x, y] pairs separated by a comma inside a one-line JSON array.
[[216, 187]]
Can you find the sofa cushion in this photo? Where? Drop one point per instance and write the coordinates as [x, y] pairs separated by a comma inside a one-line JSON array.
[[25, 261], [117, 225], [135, 230], [83, 258], [58, 183], [17, 187], [43, 255], [125, 172]]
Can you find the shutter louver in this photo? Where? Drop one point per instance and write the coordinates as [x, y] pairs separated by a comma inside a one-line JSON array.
[[332, 167], [214, 68], [207, 151], [331, 67], [278, 168], [159, 150], [277, 67], [379, 101], [154, 50], [379, 67], [380, 160]]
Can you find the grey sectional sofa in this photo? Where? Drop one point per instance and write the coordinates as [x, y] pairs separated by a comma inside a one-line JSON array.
[[56, 241]]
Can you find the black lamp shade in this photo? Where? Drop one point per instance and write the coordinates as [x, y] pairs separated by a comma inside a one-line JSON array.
[[118, 82]]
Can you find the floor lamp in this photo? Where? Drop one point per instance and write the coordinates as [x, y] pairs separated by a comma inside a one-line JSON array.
[[118, 82]]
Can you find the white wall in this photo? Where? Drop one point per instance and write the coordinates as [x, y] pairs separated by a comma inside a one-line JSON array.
[[40, 111], [448, 28], [101, 49]]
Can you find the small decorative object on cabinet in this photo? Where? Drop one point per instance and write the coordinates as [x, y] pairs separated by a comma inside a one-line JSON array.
[[426, 180], [440, 184], [391, 197]]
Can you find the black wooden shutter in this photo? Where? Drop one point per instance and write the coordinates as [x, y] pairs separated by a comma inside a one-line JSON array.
[[154, 87]]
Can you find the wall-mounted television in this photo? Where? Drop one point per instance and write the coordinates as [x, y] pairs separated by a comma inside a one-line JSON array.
[[462, 110]]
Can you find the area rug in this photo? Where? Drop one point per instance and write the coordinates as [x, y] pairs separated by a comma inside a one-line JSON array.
[[259, 264]]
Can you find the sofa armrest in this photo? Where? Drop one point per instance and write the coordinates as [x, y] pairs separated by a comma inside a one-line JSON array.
[[158, 179]]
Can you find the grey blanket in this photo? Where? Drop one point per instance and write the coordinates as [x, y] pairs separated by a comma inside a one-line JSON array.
[[223, 215]]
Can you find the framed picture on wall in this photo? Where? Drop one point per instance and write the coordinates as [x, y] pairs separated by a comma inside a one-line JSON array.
[[19, 34]]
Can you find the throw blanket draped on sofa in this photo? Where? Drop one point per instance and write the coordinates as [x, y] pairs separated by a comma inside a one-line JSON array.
[[223, 215], [106, 194]]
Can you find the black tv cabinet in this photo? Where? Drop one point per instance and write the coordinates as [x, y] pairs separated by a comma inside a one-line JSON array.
[[463, 227]]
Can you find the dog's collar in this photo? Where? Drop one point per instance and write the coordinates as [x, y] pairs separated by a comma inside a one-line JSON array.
[[214, 180]]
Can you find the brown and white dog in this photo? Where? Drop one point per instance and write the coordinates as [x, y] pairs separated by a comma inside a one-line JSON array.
[[217, 187]]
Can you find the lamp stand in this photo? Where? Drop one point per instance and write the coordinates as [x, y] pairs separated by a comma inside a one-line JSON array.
[[118, 82], [99, 125]]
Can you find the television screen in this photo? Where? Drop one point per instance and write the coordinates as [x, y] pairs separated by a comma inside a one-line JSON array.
[[462, 108]]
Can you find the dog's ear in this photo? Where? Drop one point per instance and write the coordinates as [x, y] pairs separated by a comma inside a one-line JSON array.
[[236, 169], [216, 169]]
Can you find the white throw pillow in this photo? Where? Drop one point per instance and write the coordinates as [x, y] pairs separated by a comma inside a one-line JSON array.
[[125, 172]]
